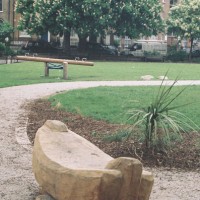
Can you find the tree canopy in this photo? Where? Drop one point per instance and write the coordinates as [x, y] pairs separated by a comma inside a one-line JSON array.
[[137, 18], [133, 18], [184, 20]]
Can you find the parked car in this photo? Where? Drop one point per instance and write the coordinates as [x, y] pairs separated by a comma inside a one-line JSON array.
[[100, 49], [39, 46], [112, 48]]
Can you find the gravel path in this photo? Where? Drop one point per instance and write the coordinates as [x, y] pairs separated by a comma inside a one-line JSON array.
[[16, 178]]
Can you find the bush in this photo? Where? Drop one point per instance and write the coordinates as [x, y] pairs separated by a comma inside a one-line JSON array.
[[9, 52], [175, 55], [2, 49]]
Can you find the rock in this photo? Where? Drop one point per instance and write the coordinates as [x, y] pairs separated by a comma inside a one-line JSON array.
[[147, 77], [163, 78], [68, 167]]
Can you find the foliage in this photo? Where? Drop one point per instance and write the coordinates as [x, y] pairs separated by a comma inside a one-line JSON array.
[[160, 120], [91, 18], [117, 137], [116, 43], [137, 18], [9, 52], [5, 31], [177, 55], [6, 50], [2, 48], [184, 20]]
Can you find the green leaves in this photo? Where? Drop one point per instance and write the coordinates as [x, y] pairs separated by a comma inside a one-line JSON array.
[[91, 17], [5, 31]]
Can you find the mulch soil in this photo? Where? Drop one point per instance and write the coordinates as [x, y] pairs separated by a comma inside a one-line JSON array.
[[184, 154]]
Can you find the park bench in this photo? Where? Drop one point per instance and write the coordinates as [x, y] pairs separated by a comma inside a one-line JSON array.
[[69, 167], [52, 63]]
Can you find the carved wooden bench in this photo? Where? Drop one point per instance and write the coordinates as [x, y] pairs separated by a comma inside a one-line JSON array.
[[68, 167]]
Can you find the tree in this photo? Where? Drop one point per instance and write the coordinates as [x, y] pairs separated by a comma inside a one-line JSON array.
[[136, 18], [90, 17], [5, 31], [184, 21]]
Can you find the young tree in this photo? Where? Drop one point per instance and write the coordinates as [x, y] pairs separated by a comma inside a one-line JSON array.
[[184, 21], [5, 31]]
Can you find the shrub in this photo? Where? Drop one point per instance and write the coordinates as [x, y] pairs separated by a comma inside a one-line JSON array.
[[9, 52], [175, 55], [2, 49]]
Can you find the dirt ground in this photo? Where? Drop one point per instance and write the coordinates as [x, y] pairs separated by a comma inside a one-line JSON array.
[[184, 154]]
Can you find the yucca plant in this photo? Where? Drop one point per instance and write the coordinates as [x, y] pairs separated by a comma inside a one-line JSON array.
[[160, 120]]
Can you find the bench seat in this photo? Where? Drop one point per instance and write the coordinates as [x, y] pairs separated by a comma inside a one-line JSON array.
[[68, 167]]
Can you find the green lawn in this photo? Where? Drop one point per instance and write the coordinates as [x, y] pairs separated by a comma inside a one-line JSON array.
[[32, 72], [112, 103]]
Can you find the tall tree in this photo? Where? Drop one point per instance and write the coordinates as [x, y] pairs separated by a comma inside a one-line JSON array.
[[136, 18], [90, 17], [184, 21]]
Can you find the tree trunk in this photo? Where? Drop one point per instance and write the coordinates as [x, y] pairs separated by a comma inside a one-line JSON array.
[[190, 55], [82, 43], [111, 38], [66, 43], [93, 38]]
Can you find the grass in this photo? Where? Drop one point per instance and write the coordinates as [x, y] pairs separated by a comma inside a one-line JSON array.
[[111, 103], [32, 72]]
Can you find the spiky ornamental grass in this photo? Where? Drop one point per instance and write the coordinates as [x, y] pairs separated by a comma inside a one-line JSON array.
[[160, 121]]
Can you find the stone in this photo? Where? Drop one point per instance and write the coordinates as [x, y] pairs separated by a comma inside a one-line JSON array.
[[68, 167], [163, 78], [147, 77]]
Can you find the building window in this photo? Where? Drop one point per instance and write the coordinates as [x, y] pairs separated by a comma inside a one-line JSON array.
[[1, 7]]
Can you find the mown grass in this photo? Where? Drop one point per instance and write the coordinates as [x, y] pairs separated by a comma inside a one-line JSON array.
[[112, 103], [33, 72]]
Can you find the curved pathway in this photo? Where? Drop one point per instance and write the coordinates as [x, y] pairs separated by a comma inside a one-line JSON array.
[[16, 178]]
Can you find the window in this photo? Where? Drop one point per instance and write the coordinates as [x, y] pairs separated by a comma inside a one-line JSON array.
[[1, 7]]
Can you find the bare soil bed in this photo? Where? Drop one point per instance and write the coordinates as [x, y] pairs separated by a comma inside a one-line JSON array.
[[184, 154]]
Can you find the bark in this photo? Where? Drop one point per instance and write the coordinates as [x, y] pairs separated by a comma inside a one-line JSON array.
[[190, 54], [82, 43], [93, 38], [66, 43]]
